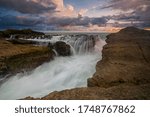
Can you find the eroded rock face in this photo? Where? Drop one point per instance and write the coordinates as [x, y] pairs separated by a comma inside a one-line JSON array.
[[16, 58], [62, 48], [126, 60]]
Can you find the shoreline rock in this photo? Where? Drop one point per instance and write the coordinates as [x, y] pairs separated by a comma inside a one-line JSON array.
[[125, 59], [19, 33], [61, 48], [15, 58]]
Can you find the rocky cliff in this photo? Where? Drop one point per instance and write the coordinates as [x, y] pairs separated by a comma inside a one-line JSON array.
[[123, 72], [126, 59]]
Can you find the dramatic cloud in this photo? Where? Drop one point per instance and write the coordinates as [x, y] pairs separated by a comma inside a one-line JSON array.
[[79, 21], [28, 6], [131, 10], [74, 14], [66, 11], [10, 20], [126, 5], [83, 11], [53, 22]]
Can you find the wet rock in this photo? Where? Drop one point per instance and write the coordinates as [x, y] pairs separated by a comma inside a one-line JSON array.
[[62, 48], [3, 69], [15, 58], [19, 41], [50, 45]]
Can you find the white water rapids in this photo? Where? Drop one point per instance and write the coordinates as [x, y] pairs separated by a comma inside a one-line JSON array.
[[58, 74]]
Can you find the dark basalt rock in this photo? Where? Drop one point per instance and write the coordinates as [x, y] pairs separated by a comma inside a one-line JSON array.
[[7, 33], [19, 41], [3, 70], [62, 48]]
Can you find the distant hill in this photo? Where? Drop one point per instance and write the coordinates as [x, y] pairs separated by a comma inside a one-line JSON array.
[[7, 33]]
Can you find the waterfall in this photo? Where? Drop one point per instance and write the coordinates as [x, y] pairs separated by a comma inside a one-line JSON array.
[[84, 44], [80, 44], [59, 74]]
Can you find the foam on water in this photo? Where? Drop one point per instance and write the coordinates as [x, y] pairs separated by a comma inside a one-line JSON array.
[[59, 74]]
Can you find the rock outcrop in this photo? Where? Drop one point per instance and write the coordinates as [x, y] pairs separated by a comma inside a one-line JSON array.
[[61, 48], [16, 58], [26, 32], [20, 41], [126, 59], [123, 72]]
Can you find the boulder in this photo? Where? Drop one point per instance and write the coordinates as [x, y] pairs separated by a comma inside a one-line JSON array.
[[62, 48]]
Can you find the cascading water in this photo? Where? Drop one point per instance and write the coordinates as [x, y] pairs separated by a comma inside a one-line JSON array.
[[59, 74]]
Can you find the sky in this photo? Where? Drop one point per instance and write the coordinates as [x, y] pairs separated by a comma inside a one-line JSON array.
[[74, 15]]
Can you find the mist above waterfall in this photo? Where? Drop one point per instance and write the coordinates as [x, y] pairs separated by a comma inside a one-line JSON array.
[[60, 73]]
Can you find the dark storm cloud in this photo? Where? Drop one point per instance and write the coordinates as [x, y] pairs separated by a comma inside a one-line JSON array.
[[54, 22], [126, 17], [84, 21], [126, 5], [28, 6], [10, 20]]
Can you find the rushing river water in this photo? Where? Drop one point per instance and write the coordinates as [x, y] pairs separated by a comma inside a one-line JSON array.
[[58, 74]]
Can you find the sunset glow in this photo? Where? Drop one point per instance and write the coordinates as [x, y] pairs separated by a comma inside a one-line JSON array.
[[74, 15]]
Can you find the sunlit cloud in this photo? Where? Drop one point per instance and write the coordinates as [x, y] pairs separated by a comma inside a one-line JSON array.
[[71, 15]]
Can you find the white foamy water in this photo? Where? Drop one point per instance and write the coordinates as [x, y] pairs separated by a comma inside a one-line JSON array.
[[58, 74]]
